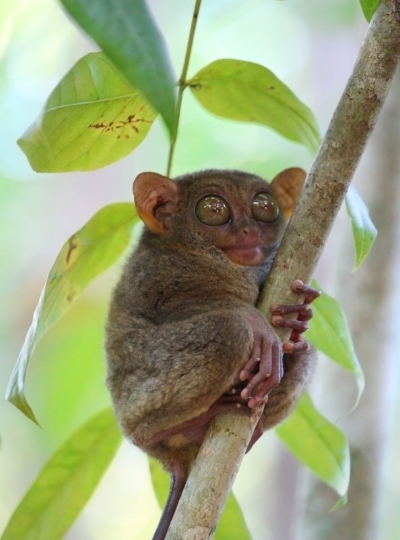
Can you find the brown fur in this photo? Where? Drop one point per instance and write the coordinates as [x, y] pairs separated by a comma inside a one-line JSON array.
[[179, 328]]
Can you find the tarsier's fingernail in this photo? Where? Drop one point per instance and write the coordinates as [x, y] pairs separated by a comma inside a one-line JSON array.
[[258, 359], [244, 394], [288, 347], [297, 284], [233, 391]]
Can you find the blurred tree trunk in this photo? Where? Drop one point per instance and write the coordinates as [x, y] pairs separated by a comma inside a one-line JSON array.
[[368, 300], [288, 505]]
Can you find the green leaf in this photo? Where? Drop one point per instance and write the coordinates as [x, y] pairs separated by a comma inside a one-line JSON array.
[[160, 480], [340, 503], [252, 93], [66, 482], [330, 334], [369, 7], [317, 443], [82, 258], [126, 32], [231, 525], [91, 119], [364, 231]]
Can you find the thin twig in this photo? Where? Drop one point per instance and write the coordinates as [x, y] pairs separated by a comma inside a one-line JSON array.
[[224, 446], [182, 84]]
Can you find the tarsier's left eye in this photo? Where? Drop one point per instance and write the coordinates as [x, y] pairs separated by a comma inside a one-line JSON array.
[[212, 210], [265, 208]]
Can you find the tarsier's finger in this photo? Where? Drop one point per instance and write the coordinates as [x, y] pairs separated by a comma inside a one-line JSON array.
[[304, 310], [269, 376], [306, 314], [261, 394], [255, 381], [291, 347], [280, 322], [265, 366], [282, 309], [255, 358], [311, 294]]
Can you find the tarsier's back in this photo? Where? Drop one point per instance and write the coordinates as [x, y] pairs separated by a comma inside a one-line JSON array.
[[184, 339]]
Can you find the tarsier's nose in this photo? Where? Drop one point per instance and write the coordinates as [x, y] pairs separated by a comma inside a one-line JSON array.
[[246, 229]]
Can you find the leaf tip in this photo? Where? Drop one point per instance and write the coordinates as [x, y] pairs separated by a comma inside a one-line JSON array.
[[341, 502], [18, 400]]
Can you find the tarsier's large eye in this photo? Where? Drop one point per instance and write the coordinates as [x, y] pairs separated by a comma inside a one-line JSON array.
[[213, 210], [265, 208]]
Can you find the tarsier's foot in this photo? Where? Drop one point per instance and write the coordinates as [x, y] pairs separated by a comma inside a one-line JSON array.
[[297, 343]]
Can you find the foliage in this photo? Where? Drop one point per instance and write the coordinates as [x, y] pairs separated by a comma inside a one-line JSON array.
[[100, 111], [318, 444], [364, 231], [66, 482], [91, 119], [82, 258], [330, 334], [369, 7], [252, 93], [125, 31]]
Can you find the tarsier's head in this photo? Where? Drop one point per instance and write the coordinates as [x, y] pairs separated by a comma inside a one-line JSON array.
[[236, 212]]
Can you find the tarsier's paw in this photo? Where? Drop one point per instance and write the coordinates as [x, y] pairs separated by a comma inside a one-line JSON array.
[[264, 368], [297, 343]]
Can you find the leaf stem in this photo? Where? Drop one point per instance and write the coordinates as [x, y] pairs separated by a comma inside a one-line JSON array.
[[182, 84]]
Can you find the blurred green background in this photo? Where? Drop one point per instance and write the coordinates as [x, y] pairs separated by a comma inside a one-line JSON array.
[[311, 45]]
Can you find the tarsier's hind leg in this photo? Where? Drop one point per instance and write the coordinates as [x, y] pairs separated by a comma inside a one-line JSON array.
[[173, 393]]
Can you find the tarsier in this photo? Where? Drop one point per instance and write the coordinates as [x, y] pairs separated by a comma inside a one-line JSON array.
[[184, 339]]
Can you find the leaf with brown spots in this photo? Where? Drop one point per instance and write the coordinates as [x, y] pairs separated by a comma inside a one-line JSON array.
[[90, 251], [91, 119], [126, 31]]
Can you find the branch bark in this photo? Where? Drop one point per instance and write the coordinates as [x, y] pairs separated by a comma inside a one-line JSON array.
[[373, 324], [223, 449]]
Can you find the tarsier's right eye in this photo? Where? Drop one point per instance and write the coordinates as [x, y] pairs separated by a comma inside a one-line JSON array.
[[212, 210]]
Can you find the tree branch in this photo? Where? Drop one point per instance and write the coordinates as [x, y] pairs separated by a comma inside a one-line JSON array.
[[224, 446]]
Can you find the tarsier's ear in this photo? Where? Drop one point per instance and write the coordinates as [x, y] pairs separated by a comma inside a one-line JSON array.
[[156, 197], [287, 186]]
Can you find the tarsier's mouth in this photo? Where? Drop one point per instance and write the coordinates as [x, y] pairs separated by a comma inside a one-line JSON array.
[[245, 255]]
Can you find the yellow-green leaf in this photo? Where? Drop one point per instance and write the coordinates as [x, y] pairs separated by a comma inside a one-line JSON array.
[[66, 482], [250, 92], [369, 7], [364, 231], [92, 118], [231, 525], [317, 443], [82, 258], [330, 334], [127, 33]]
